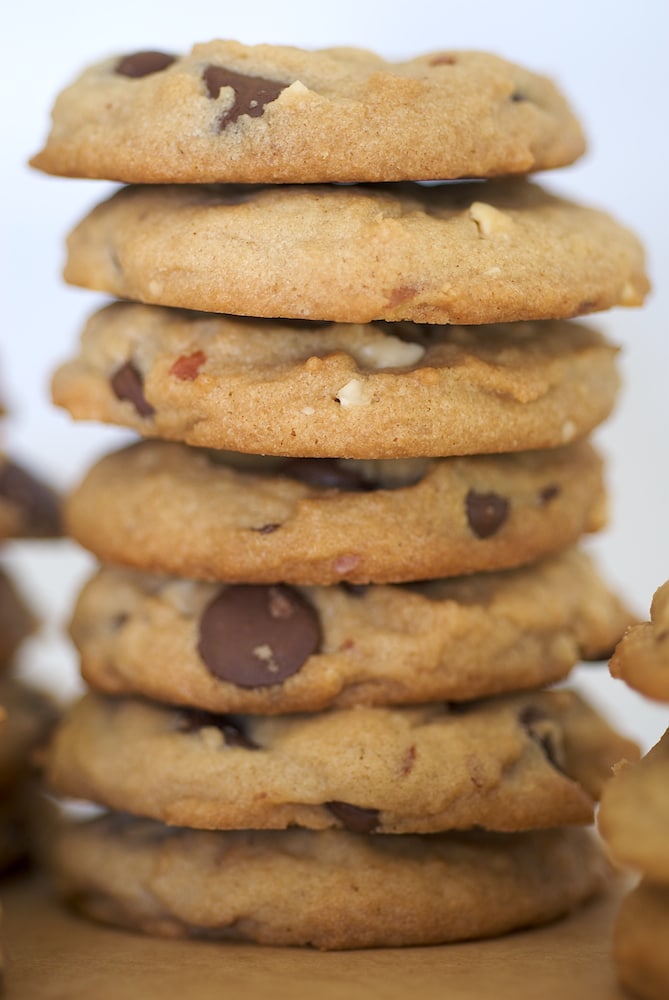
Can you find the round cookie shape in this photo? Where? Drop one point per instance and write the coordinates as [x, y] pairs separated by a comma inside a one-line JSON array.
[[279, 114], [641, 658], [523, 762], [29, 508], [453, 639], [470, 253], [378, 390], [243, 885], [634, 814], [168, 508]]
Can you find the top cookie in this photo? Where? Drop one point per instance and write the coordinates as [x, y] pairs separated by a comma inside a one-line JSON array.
[[277, 114], [641, 658]]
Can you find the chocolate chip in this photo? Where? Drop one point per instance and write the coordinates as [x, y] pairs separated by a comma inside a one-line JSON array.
[[127, 384], [538, 724], [354, 818], [486, 512], [517, 97], [252, 93], [325, 474], [143, 64], [194, 719], [39, 505], [256, 636], [549, 493]]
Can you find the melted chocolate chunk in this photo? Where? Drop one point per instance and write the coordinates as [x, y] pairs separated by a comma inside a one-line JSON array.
[[549, 493], [325, 474], [252, 93], [39, 505], [194, 719], [127, 384], [354, 818], [486, 512], [537, 723], [140, 64], [256, 636]]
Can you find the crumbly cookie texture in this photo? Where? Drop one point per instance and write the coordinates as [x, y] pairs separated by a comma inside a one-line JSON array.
[[275, 649], [641, 659], [29, 508], [265, 113], [640, 942], [168, 508], [452, 253], [523, 762], [634, 814], [385, 390], [330, 890]]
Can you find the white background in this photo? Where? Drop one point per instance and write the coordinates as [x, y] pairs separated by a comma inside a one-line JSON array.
[[611, 59]]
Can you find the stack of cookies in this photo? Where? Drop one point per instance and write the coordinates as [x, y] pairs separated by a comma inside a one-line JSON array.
[[342, 566], [28, 509], [634, 816]]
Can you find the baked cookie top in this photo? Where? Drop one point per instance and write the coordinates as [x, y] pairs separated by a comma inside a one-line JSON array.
[[269, 886], [278, 649], [267, 113], [383, 390], [641, 658], [522, 762], [29, 508], [634, 814], [468, 253], [169, 508]]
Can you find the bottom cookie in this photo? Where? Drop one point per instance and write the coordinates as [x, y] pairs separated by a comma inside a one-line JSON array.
[[330, 890], [640, 942]]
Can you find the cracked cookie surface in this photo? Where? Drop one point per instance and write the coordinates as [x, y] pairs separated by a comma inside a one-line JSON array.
[[264, 113]]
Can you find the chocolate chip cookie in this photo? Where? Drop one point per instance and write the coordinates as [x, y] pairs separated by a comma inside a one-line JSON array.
[[640, 942], [467, 253], [385, 390], [269, 113], [634, 814], [521, 762], [168, 508], [333, 889], [17, 621], [28, 507], [642, 657], [276, 649]]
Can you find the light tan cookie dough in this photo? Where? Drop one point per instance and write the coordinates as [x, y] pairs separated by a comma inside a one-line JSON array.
[[640, 942], [17, 621], [276, 649], [356, 391], [642, 657], [268, 113], [523, 762], [452, 253], [330, 889], [169, 508], [634, 814], [28, 507]]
